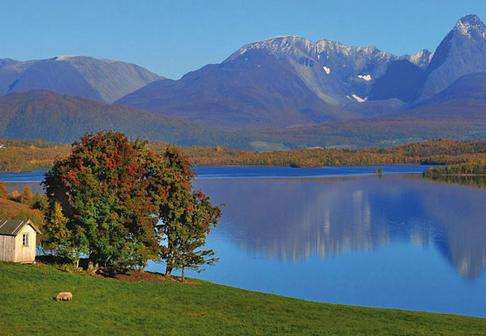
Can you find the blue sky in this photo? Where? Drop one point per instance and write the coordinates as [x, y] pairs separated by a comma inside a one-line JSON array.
[[174, 37]]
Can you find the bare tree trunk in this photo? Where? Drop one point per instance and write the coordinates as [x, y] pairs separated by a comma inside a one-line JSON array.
[[182, 273]]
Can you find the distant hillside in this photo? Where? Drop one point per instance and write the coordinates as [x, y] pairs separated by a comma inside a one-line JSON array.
[[63, 119], [471, 87], [380, 132], [98, 79], [14, 210]]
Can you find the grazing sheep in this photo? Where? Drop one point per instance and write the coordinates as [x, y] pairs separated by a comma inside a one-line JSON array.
[[64, 296]]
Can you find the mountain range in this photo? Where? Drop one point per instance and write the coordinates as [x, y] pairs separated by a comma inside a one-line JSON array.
[[288, 81], [285, 91]]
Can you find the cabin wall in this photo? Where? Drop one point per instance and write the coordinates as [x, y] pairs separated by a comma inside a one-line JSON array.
[[7, 248], [25, 254]]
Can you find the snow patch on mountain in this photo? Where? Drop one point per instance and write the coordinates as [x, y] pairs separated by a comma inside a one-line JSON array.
[[276, 45], [65, 57], [290, 45], [366, 77], [327, 70], [357, 98], [421, 58], [470, 26]]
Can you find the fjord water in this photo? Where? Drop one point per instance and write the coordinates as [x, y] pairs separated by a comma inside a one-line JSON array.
[[345, 235], [397, 241]]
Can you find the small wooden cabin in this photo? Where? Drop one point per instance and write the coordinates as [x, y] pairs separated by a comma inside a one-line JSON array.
[[18, 241]]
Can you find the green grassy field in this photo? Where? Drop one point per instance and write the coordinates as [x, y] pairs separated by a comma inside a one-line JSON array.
[[112, 307]]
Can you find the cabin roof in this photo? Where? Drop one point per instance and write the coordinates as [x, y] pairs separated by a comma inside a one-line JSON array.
[[10, 227]]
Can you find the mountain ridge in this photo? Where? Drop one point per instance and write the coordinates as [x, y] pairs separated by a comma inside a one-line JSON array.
[[461, 52], [99, 79]]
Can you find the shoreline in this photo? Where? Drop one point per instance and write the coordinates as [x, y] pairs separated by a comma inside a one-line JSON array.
[[250, 166], [21, 157], [457, 175], [367, 170]]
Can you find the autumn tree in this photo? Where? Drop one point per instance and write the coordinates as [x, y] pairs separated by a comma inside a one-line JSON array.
[[124, 204], [185, 217], [16, 196], [3, 190], [172, 191], [27, 195], [102, 188]]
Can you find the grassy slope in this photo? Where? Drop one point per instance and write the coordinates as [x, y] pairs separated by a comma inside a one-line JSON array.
[[107, 306]]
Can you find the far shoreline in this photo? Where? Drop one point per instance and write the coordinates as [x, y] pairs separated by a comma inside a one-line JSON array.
[[249, 166]]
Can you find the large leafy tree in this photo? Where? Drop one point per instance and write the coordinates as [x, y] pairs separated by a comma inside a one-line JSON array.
[[102, 188], [185, 217], [122, 204], [172, 190]]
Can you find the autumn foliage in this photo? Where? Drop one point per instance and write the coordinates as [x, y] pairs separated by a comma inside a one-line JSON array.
[[113, 200], [19, 156]]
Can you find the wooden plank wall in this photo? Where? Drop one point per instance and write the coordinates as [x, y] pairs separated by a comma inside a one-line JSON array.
[[7, 248]]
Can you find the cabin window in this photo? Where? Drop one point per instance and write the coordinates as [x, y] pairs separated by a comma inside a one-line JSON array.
[[25, 239]]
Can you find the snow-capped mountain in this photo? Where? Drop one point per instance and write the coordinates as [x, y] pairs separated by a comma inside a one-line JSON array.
[[462, 52], [333, 71], [99, 79], [281, 81], [289, 80]]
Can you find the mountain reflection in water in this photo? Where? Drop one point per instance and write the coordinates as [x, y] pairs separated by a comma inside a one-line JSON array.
[[299, 218]]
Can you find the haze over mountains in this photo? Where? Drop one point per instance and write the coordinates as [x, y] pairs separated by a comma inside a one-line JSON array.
[[286, 91]]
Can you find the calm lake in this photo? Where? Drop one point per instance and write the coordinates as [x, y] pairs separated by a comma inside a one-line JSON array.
[[345, 235]]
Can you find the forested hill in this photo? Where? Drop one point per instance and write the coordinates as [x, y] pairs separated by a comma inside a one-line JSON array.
[[63, 119]]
